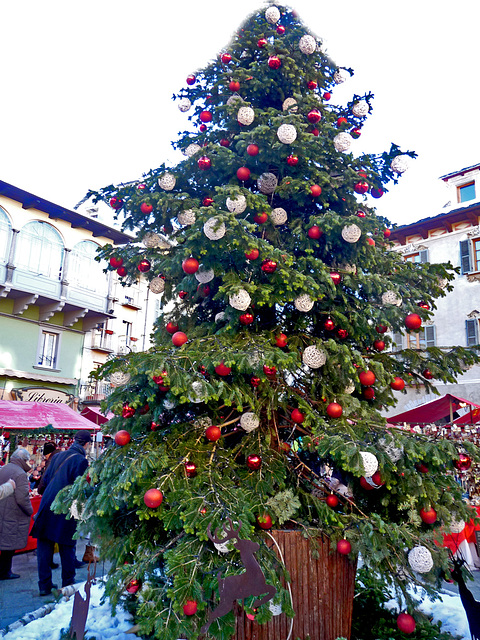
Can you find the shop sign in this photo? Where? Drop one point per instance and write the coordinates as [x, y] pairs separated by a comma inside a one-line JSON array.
[[40, 394]]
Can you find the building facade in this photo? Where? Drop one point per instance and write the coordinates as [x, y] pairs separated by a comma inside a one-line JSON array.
[[61, 316], [452, 236]]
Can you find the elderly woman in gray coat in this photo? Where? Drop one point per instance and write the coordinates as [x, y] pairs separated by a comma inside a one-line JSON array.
[[15, 511]]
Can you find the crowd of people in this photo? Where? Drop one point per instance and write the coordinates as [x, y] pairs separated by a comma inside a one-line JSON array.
[[18, 480]]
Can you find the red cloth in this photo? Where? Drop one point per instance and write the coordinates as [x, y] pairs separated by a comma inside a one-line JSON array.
[[32, 542], [431, 411], [15, 414], [453, 540]]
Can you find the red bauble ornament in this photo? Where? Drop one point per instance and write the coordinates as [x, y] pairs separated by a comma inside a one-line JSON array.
[[274, 62], [182, 295], [377, 479], [365, 485], [356, 133], [406, 623], [222, 370], [122, 438], [203, 128], [367, 378], [254, 462], [204, 163], [463, 463], [243, 174], [224, 142], [332, 501], [297, 416], [153, 498], [264, 521], [133, 586], [398, 384], [206, 116], [312, 84], [179, 338], [261, 43], [146, 208], [371, 242], [213, 433], [379, 345], [315, 190], [361, 187], [191, 79], [336, 277], [269, 266], [144, 265], [116, 203], [376, 193], [261, 218], [314, 116], [281, 340], [361, 214], [190, 608], [270, 372], [341, 121], [280, 29], [122, 271], [253, 149], [368, 393], [190, 265], [226, 58], [381, 328], [429, 516], [128, 411], [422, 468], [234, 85], [171, 327], [329, 325], [115, 262], [427, 374], [327, 95], [344, 547], [292, 160], [334, 410], [314, 232], [203, 290], [254, 381], [190, 469], [413, 321], [342, 334], [252, 254], [387, 233], [207, 201], [315, 132], [246, 318], [424, 305]]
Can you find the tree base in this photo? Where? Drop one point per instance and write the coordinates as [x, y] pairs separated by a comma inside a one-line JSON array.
[[322, 584]]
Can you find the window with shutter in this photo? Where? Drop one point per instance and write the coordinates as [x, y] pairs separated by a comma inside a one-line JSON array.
[[430, 335], [397, 342], [420, 256], [465, 258], [471, 330]]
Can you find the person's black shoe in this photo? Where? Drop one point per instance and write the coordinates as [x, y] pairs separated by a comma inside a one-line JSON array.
[[10, 576], [54, 565], [79, 564], [47, 592]]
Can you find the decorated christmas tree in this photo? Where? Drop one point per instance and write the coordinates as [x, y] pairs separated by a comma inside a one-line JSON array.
[[259, 405]]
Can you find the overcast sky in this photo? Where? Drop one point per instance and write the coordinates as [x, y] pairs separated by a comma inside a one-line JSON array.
[[87, 86]]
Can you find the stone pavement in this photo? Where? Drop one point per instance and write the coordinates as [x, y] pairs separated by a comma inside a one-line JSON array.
[[20, 596]]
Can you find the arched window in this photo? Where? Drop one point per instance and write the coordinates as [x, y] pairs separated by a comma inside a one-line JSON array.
[[40, 250], [84, 271], [5, 234]]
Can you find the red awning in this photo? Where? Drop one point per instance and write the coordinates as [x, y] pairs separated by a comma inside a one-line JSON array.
[[36, 415], [95, 415], [431, 411]]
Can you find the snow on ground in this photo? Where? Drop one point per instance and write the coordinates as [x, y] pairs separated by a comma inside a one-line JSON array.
[[103, 626]]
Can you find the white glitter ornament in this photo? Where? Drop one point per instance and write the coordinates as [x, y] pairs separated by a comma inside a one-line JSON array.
[[151, 240], [340, 76], [393, 452], [350, 389], [249, 421], [287, 133], [223, 547], [420, 559], [167, 181], [237, 205], [187, 217], [119, 378], [276, 609], [157, 285], [304, 303], [370, 463], [204, 275], [240, 300], [192, 149], [198, 392], [272, 15], [350, 268], [220, 316], [400, 164], [456, 526], [289, 103], [246, 115], [214, 229], [351, 233], [267, 183], [360, 108], [234, 99], [342, 141], [307, 44], [278, 216], [184, 105], [169, 404], [313, 357], [391, 298]]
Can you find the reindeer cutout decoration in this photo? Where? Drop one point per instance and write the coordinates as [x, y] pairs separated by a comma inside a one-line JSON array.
[[80, 608], [239, 587]]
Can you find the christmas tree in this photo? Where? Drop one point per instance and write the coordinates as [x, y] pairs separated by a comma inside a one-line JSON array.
[[259, 405]]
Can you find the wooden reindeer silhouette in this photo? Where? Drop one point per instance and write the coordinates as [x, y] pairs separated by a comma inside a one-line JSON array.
[[250, 583], [471, 606], [80, 608]]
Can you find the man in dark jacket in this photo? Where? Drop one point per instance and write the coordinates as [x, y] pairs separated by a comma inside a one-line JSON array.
[[51, 528], [15, 511]]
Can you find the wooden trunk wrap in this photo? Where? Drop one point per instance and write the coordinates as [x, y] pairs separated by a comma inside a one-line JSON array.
[[322, 589]]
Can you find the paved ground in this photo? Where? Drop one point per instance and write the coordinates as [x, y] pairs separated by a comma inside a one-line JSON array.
[[20, 596]]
